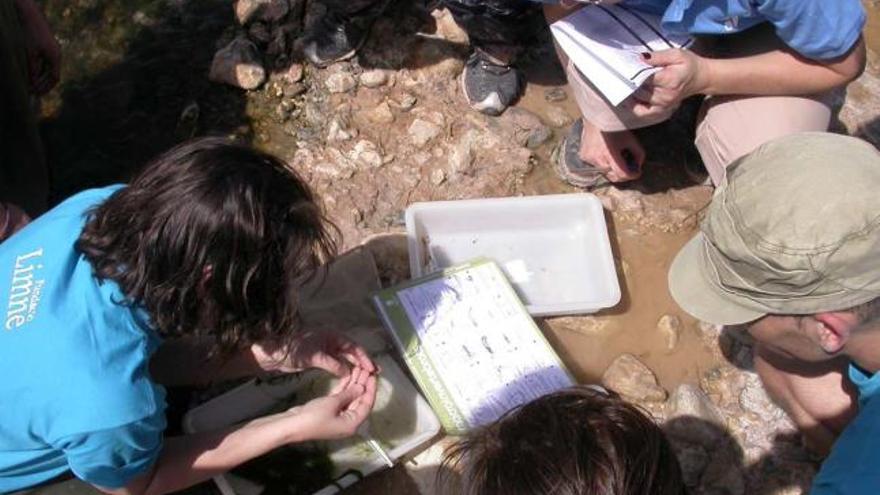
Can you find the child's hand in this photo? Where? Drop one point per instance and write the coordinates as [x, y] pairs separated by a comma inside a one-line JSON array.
[[328, 351], [339, 414]]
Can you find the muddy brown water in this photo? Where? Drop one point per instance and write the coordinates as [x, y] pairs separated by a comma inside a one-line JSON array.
[[588, 345]]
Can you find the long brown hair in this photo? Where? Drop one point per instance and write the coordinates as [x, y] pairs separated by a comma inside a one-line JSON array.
[[210, 238]]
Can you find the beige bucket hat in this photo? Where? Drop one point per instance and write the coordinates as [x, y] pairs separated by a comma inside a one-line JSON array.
[[793, 229]]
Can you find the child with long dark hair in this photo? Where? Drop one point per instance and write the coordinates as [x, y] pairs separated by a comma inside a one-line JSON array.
[[188, 275]]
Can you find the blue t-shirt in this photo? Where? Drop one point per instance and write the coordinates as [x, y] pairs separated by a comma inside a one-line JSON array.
[[852, 467], [817, 29], [76, 392]]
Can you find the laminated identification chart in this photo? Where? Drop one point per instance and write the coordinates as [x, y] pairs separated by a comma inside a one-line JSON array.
[[483, 346]]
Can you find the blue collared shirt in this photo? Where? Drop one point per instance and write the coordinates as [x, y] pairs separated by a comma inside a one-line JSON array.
[[852, 468], [816, 29]]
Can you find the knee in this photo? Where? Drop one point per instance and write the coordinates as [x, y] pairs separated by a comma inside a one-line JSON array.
[[554, 12]]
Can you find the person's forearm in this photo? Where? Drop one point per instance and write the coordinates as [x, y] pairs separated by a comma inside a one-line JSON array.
[[191, 459], [781, 73]]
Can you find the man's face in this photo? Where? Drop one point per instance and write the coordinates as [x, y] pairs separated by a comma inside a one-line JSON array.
[[793, 336]]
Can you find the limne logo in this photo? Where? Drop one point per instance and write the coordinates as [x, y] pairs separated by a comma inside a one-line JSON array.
[[25, 290]]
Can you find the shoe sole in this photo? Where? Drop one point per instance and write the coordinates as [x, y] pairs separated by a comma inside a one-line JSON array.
[[310, 52], [557, 157]]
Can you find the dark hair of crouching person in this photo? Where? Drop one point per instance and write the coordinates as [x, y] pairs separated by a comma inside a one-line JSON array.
[[579, 441]]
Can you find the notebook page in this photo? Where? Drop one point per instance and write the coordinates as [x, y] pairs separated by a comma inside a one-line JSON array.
[[481, 342], [605, 43]]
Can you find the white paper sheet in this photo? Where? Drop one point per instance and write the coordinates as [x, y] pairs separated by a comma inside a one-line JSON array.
[[605, 43], [482, 342]]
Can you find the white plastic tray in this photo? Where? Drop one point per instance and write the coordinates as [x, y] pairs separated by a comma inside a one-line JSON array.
[[401, 418], [554, 249]]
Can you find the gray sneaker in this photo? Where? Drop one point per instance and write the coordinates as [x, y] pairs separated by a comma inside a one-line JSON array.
[[570, 168], [488, 86]]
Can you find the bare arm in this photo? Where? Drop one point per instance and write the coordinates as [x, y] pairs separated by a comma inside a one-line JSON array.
[[191, 459], [782, 72], [775, 73]]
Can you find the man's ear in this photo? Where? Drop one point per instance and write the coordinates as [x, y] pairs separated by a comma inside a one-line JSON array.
[[834, 329]]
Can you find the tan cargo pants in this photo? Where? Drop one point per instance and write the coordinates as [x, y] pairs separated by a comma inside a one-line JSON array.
[[728, 127]]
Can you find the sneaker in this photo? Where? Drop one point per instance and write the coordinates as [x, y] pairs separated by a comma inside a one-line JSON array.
[[488, 86], [569, 166], [336, 37]]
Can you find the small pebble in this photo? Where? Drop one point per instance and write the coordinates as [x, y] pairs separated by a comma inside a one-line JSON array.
[[555, 94], [374, 78]]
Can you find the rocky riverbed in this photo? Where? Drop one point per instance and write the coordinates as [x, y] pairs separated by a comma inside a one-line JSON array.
[[389, 128]]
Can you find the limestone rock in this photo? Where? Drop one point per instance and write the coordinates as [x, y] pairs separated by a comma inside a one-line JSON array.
[[461, 159], [294, 73], [263, 10], [238, 64], [724, 384], [584, 325], [693, 417], [381, 114], [366, 153], [438, 176], [630, 378], [448, 29], [340, 82], [405, 101], [293, 89], [303, 160], [670, 327], [624, 201], [525, 127], [338, 167], [754, 398], [557, 116], [336, 132], [374, 78], [422, 131], [555, 94], [860, 108]]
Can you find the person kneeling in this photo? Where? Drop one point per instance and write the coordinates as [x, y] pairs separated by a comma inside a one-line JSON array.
[[204, 249]]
